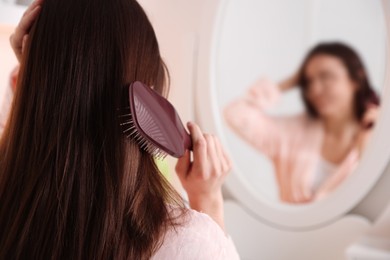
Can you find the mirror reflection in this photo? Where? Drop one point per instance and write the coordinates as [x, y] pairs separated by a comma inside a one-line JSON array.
[[300, 104]]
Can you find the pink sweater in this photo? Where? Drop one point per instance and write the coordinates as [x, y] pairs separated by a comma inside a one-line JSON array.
[[293, 143], [199, 238]]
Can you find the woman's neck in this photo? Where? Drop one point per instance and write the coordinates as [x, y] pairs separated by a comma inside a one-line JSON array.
[[341, 126]]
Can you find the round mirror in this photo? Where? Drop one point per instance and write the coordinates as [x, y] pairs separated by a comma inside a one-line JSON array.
[[270, 40], [295, 92]]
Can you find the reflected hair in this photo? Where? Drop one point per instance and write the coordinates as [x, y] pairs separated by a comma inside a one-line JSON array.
[[72, 186], [365, 94]]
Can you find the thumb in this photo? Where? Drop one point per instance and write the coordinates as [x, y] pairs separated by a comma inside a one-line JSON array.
[[24, 42], [183, 165]]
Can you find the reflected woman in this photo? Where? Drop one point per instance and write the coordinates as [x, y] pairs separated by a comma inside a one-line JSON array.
[[313, 152]]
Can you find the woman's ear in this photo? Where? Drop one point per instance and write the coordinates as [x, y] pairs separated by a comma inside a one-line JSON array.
[[361, 77]]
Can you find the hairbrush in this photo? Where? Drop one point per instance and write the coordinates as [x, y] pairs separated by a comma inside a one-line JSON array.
[[154, 123]]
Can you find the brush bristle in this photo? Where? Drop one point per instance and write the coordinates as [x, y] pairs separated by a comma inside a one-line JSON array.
[[131, 131]]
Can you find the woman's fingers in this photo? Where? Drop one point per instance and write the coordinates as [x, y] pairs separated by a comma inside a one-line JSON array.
[[214, 161], [210, 161], [225, 161], [25, 38], [14, 78], [183, 165], [199, 146], [227, 158], [32, 6], [25, 24], [18, 38]]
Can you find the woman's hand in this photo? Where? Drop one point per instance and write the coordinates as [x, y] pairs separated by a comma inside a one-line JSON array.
[[289, 83], [203, 177], [19, 37], [14, 78]]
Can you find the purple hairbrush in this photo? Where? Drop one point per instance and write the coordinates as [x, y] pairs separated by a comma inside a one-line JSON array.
[[154, 123]]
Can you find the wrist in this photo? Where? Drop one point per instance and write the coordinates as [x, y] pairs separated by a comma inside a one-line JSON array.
[[285, 85], [206, 202], [210, 204], [289, 83]]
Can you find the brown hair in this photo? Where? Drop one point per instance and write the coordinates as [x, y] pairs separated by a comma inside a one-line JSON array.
[[365, 94], [72, 186]]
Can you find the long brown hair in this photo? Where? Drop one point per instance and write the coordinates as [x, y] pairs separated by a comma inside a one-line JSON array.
[[365, 94], [72, 186]]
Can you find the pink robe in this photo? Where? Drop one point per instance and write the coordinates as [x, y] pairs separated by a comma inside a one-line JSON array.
[[199, 238], [293, 143]]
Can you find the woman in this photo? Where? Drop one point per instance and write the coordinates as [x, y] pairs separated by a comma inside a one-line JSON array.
[[72, 185], [314, 152]]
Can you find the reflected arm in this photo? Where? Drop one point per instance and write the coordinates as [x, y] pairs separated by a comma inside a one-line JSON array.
[[247, 117]]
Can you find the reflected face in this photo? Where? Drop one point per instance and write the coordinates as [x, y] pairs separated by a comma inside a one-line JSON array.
[[330, 89]]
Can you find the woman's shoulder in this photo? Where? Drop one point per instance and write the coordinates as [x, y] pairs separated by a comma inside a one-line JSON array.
[[197, 237]]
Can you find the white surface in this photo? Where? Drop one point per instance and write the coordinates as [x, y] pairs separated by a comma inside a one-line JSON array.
[[363, 252], [256, 241]]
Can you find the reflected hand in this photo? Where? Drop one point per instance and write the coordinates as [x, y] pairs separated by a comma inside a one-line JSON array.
[[370, 116], [203, 177], [290, 82], [19, 38], [369, 119]]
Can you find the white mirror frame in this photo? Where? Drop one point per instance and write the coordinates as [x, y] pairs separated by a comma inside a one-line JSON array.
[[291, 217]]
